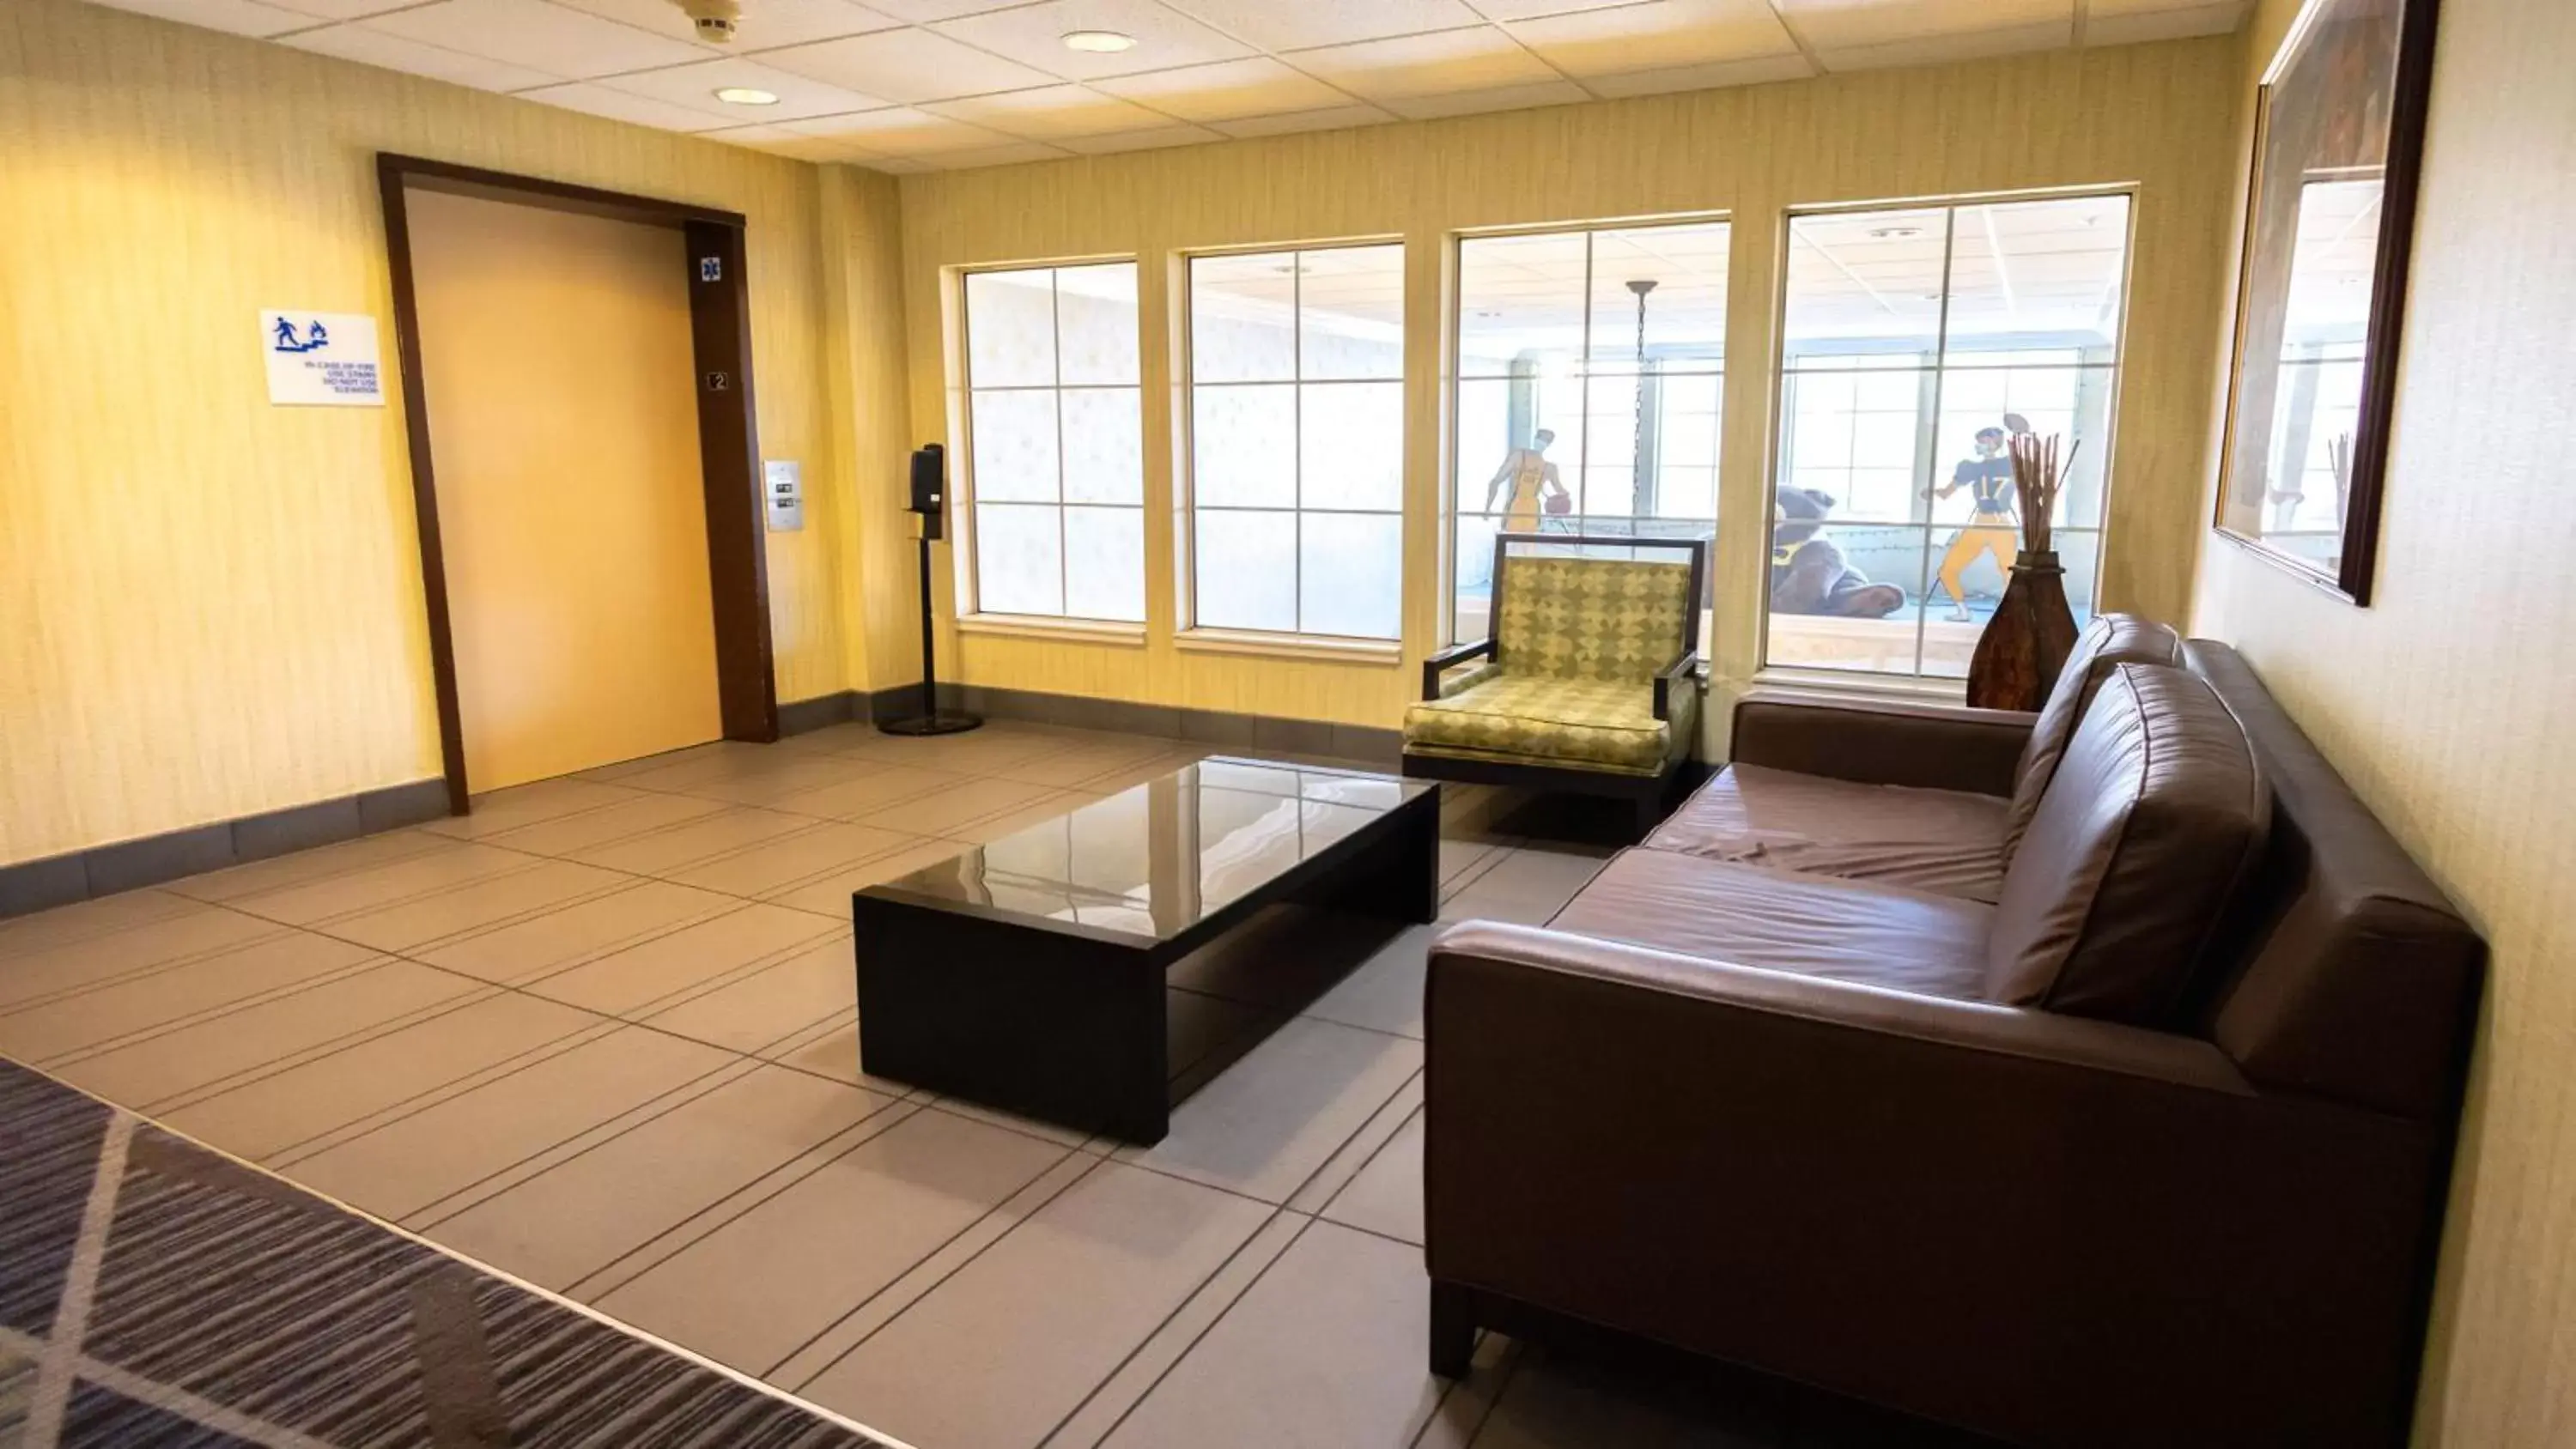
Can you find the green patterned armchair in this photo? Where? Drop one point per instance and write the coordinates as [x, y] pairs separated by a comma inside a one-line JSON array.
[[1589, 682]]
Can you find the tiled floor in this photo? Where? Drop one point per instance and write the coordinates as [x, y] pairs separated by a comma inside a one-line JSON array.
[[602, 1034]]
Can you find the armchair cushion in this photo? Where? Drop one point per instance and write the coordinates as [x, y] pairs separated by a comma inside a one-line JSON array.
[[1605, 619], [1587, 724], [1946, 841], [1748, 915]]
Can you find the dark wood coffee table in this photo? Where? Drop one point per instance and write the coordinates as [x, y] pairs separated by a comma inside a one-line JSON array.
[[1028, 974]]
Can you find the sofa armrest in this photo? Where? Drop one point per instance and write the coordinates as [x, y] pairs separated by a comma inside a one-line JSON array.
[[1450, 658], [1979, 1213], [1676, 673], [1881, 742]]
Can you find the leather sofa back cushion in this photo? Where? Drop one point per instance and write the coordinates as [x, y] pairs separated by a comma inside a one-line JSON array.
[[2153, 816], [2109, 641]]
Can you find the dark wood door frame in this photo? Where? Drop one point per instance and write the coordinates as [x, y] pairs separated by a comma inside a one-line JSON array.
[[728, 433]]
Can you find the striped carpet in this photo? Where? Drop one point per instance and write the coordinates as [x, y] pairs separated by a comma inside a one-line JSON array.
[[153, 1293]]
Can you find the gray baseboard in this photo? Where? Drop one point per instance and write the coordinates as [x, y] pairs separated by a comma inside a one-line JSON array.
[[103, 870], [821, 712]]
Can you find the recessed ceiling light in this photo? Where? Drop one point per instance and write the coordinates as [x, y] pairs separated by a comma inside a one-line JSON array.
[[1894, 233], [745, 96], [1099, 42]]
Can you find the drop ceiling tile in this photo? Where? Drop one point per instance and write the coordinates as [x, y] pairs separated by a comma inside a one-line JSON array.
[[1947, 49], [1532, 9], [343, 9], [780, 141], [922, 12], [766, 24], [536, 35], [906, 66], [1034, 35], [1050, 112], [1330, 118], [1656, 35], [901, 131], [374, 47], [695, 86], [1228, 90], [241, 17], [1852, 24], [2127, 24], [1010, 155], [1792, 66], [1146, 140], [599, 100], [1479, 58], [1496, 98], [1299, 24]]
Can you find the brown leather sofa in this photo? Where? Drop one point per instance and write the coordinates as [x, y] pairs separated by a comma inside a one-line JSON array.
[[2086, 1079]]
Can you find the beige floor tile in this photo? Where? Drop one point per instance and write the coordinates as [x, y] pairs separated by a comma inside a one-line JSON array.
[[647, 764], [310, 902], [1556, 1401], [1527, 885], [791, 860], [575, 1219], [770, 1005], [875, 789], [676, 847], [637, 815], [1128, 777], [758, 1288], [1385, 993], [629, 981], [1276, 1116], [300, 867], [408, 1164], [960, 805], [830, 739], [1340, 1311], [1355, 1154], [499, 810], [88, 920], [545, 885], [1049, 1311], [71, 962], [1386, 1198], [980, 752], [207, 983], [781, 776], [1054, 806], [1084, 763], [677, 770], [1460, 859], [164, 1067], [583, 931], [830, 1048], [276, 1114], [829, 895]]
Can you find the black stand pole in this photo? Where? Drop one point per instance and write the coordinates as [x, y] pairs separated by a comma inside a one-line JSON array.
[[931, 721]]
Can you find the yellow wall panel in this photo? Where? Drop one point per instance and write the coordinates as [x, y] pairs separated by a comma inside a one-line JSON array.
[[2447, 703], [210, 606], [2158, 117]]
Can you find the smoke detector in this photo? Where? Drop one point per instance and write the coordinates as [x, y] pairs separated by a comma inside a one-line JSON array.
[[717, 21]]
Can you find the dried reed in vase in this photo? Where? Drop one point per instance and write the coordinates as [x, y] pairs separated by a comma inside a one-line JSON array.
[[2038, 473]]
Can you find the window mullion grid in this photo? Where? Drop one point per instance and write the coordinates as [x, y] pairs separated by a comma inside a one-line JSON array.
[[1063, 554], [1297, 437], [1940, 365]]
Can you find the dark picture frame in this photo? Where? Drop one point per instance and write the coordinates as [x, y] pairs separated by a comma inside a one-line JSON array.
[[2330, 207]]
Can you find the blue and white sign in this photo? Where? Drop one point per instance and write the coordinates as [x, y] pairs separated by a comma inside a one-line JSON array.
[[322, 359]]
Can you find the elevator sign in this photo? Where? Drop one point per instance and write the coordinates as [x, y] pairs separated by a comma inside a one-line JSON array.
[[322, 359]]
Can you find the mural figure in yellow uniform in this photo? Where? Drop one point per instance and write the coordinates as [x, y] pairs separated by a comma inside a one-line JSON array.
[[1993, 526], [1529, 474]]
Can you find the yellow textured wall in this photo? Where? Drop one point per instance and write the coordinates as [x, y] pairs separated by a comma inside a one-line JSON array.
[[2448, 702], [2159, 116], [209, 606]]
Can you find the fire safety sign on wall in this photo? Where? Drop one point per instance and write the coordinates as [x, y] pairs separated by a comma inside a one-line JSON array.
[[325, 359]]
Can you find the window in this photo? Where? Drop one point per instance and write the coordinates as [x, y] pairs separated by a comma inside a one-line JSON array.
[[1297, 441], [1591, 372], [1912, 343], [1055, 442]]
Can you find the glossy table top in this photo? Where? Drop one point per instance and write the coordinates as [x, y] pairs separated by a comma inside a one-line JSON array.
[[1152, 861]]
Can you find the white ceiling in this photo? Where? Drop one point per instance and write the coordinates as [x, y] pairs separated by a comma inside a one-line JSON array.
[[920, 85]]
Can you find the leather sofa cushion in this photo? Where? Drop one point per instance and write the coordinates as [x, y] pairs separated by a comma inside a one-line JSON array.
[[1949, 842], [2154, 815], [1749, 915], [2109, 641]]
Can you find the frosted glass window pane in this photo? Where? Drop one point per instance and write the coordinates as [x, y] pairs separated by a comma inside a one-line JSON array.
[[2036, 273], [1018, 559], [1095, 311], [1243, 325], [1104, 563], [1104, 446], [1866, 284], [1351, 445], [1485, 443], [1010, 328], [1015, 446], [1351, 312], [1352, 574], [1519, 297], [1685, 309], [1247, 571], [1244, 443]]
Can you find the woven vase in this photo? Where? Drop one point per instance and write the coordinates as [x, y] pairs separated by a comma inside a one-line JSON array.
[[2028, 639]]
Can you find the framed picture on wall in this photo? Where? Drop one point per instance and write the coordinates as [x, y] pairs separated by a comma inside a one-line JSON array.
[[2330, 215]]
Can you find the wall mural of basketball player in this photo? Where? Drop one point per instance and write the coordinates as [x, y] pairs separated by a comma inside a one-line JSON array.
[[1994, 523], [1532, 480]]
